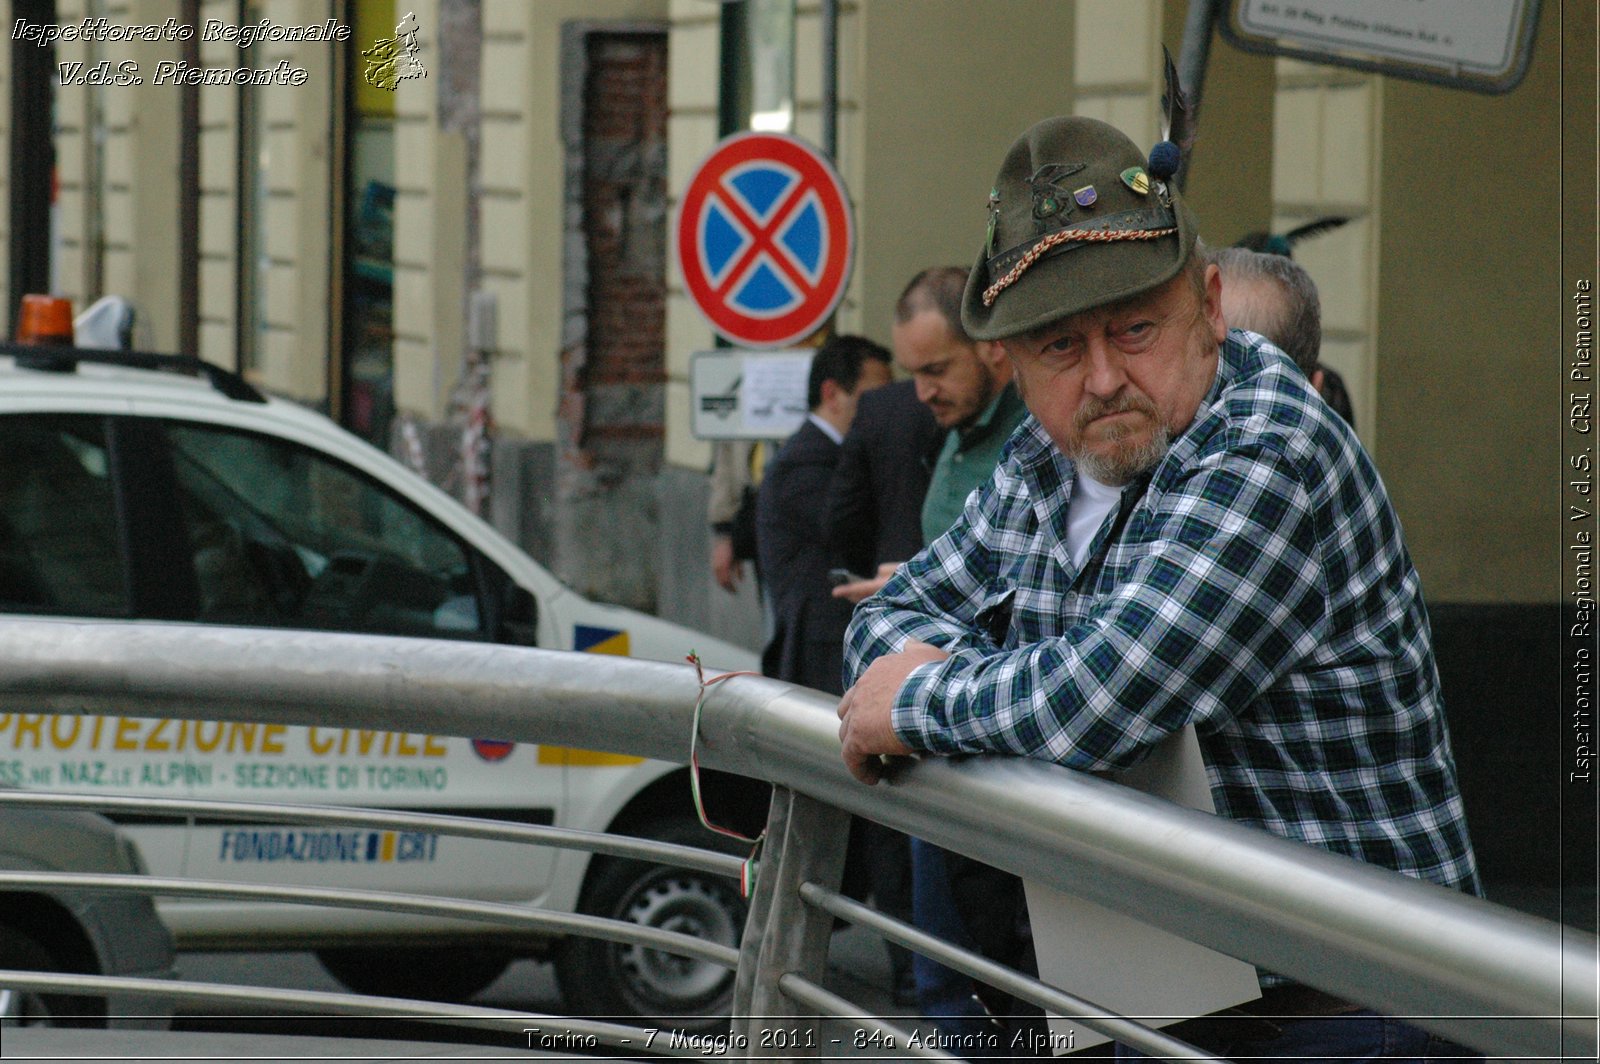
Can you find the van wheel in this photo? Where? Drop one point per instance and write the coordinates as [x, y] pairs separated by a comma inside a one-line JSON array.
[[32, 1008], [602, 979], [427, 973]]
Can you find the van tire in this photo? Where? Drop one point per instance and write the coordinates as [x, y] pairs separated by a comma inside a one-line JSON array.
[[424, 973], [612, 979], [28, 1008]]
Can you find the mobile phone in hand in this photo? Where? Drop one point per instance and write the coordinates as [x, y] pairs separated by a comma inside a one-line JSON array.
[[843, 576]]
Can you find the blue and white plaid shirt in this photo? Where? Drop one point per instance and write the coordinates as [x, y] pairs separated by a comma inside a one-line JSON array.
[[1258, 589]]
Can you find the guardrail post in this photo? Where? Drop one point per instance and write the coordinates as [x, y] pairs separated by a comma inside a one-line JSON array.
[[805, 844]]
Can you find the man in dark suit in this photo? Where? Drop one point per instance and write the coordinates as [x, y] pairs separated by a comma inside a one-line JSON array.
[[875, 503], [807, 642]]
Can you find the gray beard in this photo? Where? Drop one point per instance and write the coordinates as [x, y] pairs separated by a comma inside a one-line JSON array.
[[1126, 466]]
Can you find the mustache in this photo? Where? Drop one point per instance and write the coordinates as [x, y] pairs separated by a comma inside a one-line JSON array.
[[1126, 403]]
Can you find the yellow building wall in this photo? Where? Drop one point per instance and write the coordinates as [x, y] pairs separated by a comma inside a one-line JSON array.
[[1326, 146], [1469, 317], [117, 160], [91, 221], [432, 203], [220, 260], [1116, 65], [946, 86], [693, 65], [295, 346]]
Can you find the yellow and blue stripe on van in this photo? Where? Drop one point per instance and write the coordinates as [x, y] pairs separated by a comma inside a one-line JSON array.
[[591, 640]]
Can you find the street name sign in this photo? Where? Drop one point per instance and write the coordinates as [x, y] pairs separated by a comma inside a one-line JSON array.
[[1484, 45]]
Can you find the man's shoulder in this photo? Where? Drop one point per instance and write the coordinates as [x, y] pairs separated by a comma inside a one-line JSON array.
[[1263, 410], [1027, 444], [1263, 396], [808, 446]]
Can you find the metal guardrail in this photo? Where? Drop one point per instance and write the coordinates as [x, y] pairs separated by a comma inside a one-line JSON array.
[[382, 901], [467, 1017], [1503, 982]]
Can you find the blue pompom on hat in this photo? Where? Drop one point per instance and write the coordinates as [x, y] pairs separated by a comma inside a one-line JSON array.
[[1164, 160]]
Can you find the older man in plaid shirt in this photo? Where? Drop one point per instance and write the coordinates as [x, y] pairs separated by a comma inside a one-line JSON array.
[[1181, 534]]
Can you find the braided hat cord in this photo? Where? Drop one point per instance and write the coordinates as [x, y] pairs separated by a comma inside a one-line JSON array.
[[1062, 236]]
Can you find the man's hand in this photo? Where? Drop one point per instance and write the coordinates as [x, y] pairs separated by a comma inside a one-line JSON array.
[[861, 589], [728, 570], [866, 713]]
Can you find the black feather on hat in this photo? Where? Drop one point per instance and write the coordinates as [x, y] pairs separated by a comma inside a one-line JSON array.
[[1283, 243]]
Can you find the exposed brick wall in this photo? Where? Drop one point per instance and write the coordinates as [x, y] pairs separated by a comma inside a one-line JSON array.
[[611, 414], [624, 204]]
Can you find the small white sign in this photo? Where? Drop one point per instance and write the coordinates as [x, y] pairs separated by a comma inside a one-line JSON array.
[[1476, 38], [1119, 963], [748, 395]]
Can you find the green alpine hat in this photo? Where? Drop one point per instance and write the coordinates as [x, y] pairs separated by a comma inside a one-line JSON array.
[[1075, 221]]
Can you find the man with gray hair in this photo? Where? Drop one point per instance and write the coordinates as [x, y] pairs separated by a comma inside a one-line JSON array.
[[1274, 296]]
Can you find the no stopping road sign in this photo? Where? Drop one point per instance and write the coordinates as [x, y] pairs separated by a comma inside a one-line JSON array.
[[765, 239]]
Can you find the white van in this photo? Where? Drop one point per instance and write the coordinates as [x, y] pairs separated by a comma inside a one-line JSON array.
[[127, 492]]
